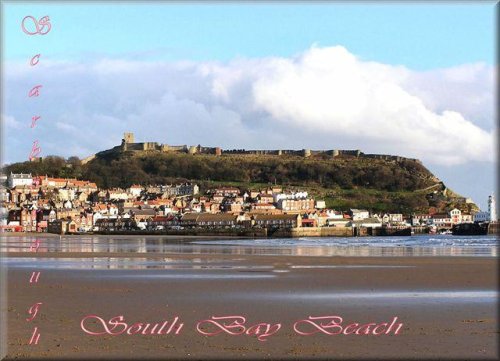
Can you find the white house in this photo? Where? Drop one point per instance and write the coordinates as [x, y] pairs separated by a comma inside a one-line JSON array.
[[320, 204], [66, 194], [113, 210], [456, 216], [295, 204], [396, 217], [441, 220], [332, 214], [392, 218], [4, 194], [117, 194], [20, 180], [295, 195], [421, 219], [359, 214], [135, 190]]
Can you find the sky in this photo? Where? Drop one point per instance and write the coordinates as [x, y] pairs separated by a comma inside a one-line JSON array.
[[417, 80]]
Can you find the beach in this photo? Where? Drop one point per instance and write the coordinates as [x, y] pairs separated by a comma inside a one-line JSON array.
[[447, 305]]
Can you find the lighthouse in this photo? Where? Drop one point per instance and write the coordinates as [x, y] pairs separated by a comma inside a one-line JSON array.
[[492, 210]]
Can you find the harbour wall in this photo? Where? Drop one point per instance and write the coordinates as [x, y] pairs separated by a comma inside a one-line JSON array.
[[494, 229], [313, 232]]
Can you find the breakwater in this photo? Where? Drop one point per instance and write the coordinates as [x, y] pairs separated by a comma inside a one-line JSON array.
[[312, 232]]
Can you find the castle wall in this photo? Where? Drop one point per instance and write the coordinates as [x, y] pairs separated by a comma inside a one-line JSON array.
[[260, 152], [174, 148], [150, 146], [354, 153], [134, 146], [384, 157], [210, 150], [128, 144]]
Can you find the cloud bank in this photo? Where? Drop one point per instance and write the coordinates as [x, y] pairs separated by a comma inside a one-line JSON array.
[[324, 98]]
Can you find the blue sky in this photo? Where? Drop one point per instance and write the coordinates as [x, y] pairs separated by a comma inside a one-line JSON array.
[[114, 67], [420, 36]]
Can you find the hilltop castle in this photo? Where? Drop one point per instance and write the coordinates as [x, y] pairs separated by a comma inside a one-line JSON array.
[[128, 144]]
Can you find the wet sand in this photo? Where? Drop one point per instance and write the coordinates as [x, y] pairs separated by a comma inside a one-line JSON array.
[[447, 306]]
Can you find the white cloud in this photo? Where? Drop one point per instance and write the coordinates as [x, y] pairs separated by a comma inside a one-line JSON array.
[[323, 98], [65, 126], [468, 89], [10, 122], [332, 91]]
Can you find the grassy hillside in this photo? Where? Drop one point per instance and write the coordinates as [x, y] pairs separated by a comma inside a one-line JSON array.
[[349, 172]]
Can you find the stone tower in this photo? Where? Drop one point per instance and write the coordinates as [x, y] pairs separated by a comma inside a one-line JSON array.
[[128, 137], [492, 210]]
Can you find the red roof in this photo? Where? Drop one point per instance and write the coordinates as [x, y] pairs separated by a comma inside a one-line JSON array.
[[162, 218]]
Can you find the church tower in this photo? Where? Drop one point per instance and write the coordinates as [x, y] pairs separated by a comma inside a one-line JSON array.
[[492, 210]]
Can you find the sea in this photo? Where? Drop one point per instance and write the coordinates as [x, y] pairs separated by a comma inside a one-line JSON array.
[[218, 263], [142, 248]]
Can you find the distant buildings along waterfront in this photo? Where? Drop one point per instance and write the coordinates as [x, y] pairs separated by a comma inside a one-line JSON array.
[[61, 205]]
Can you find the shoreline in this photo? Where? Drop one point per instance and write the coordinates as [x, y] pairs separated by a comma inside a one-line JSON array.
[[191, 236], [312, 232], [446, 304]]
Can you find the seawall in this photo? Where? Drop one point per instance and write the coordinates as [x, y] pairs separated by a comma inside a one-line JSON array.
[[313, 232], [494, 229], [253, 232]]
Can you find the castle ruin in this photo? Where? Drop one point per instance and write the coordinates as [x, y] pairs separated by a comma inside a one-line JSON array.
[[129, 145]]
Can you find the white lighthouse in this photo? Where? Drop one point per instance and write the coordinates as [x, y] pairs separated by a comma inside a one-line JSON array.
[[492, 210]]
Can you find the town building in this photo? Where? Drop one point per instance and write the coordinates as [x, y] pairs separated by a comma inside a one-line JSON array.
[[320, 204], [209, 220], [365, 222], [482, 217], [421, 219], [20, 179], [442, 220], [290, 196], [294, 205], [277, 220], [359, 214], [135, 190]]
